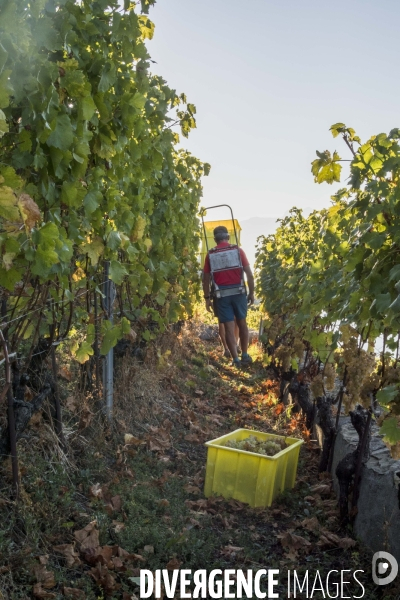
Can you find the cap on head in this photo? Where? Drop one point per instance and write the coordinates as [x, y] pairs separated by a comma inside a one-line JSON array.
[[221, 233]]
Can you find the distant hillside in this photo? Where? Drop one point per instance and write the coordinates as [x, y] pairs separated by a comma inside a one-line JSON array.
[[251, 230]]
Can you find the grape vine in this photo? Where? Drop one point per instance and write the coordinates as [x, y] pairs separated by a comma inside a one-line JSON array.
[[90, 172], [332, 281]]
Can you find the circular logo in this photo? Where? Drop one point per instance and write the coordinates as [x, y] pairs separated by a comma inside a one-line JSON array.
[[384, 568]]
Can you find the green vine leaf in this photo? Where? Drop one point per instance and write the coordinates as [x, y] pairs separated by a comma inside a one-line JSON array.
[[84, 352], [390, 430]]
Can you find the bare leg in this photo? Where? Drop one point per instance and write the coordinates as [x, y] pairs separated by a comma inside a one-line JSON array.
[[221, 331], [243, 334], [236, 333], [230, 338]]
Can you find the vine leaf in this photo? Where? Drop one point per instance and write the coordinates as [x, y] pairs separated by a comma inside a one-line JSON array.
[[94, 249], [326, 167], [8, 205], [390, 430], [62, 135], [84, 352], [387, 395], [117, 272], [3, 124]]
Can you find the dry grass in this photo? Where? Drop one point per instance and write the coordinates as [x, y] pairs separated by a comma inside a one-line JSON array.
[[141, 396]]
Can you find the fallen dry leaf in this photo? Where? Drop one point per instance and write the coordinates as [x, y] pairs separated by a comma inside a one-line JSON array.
[[118, 526], [216, 419], [236, 505], [131, 440], [96, 491], [164, 459], [85, 418], [70, 403], [321, 488], [65, 373], [131, 335], [312, 499], [311, 524], [101, 554], [163, 479], [229, 550], [116, 502], [43, 576], [128, 472], [331, 539], [104, 579], [225, 522], [195, 522], [74, 593], [192, 437], [200, 504], [118, 564], [191, 489], [88, 537], [167, 424], [125, 555], [159, 439], [162, 502], [173, 564], [293, 542], [70, 554], [39, 592]]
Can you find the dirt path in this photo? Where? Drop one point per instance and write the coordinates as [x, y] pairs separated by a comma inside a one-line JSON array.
[[140, 504]]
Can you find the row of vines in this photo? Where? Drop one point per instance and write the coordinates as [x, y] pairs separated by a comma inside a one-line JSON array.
[[93, 186], [330, 284]]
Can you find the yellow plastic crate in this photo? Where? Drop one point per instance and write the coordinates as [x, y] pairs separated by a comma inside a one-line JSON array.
[[247, 476]]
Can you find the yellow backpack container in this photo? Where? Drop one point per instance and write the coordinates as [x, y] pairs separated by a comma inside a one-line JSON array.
[[209, 227]]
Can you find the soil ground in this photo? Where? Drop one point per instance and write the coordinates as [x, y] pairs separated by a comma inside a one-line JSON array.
[[131, 496]]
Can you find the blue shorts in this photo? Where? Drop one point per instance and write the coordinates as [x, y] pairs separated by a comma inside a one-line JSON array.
[[230, 307]]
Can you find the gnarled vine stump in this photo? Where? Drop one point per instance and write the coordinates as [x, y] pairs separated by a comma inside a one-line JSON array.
[[347, 467]]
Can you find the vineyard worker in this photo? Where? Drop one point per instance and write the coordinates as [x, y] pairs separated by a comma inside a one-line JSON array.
[[229, 307]]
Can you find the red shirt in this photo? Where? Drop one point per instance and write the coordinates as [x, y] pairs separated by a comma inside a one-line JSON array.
[[231, 276]]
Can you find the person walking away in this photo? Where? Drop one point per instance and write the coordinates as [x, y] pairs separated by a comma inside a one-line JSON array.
[[234, 305]]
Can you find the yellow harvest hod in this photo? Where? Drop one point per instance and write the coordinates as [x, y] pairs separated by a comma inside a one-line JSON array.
[[209, 227]]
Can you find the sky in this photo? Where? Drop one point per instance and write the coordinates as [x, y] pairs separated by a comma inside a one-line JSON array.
[[268, 79]]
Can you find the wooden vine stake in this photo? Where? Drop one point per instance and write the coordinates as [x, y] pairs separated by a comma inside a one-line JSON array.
[[56, 400], [108, 363], [96, 345]]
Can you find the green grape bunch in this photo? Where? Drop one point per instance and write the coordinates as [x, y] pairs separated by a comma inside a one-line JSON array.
[[284, 354], [253, 444], [359, 365], [329, 375]]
